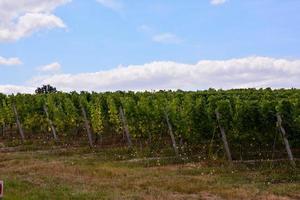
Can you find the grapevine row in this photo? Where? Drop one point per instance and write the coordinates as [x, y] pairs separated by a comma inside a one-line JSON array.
[[249, 117]]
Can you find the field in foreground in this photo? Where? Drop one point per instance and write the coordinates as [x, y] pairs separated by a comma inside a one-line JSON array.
[[118, 174]]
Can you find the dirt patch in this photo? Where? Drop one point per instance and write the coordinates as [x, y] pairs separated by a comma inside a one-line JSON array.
[[209, 196], [274, 197]]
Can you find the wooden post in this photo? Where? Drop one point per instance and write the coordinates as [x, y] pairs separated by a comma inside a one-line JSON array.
[[125, 125], [18, 123], [2, 129], [1, 189], [224, 138], [50, 123], [171, 134], [286, 142], [87, 126]]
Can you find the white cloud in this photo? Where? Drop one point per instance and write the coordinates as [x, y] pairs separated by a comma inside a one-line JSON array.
[[217, 2], [145, 29], [233, 73], [167, 38], [13, 89], [111, 4], [158, 37], [52, 68], [10, 61], [21, 18]]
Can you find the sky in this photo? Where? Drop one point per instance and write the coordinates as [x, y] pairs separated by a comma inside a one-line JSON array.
[[108, 45]]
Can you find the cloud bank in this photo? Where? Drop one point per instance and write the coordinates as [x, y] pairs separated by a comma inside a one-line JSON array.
[[10, 61], [21, 18], [226, 74], [14, 89]]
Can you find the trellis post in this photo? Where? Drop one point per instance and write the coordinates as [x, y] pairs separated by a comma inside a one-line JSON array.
[[87, 126], [125, 126], [224, 139], [286, 142], [171, 134], [19, 125], [50, 123]]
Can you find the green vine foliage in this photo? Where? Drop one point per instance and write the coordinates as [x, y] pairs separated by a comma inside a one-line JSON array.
[[114, 115], [6, 112], [97, 117], [247, 115]]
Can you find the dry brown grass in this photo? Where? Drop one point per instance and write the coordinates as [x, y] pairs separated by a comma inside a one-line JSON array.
[[86, 176]]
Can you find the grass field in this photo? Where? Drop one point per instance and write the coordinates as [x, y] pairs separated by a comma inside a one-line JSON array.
[[79, 173]]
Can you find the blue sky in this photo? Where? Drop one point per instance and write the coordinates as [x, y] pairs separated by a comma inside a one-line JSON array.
[[99, 36]]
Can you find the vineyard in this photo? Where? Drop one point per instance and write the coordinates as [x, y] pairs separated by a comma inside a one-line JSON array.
[[239, 124]]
